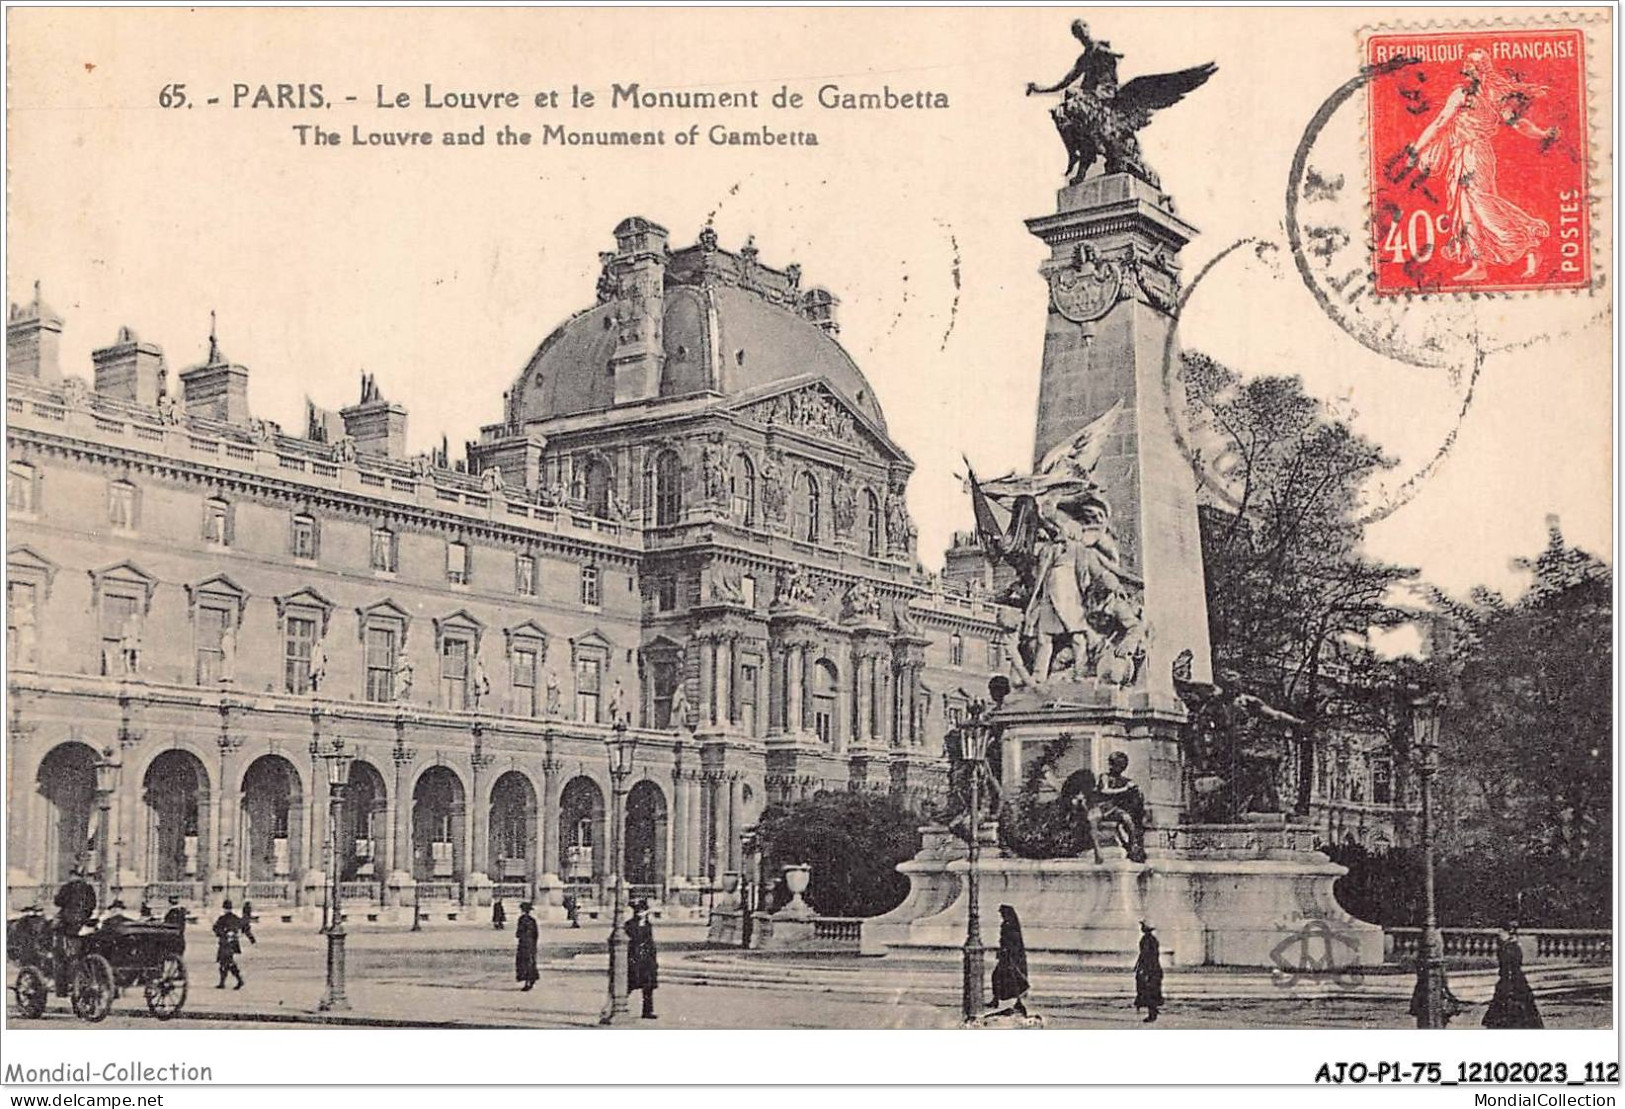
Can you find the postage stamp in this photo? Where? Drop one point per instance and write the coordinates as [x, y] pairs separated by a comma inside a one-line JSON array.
[[1479, 173]]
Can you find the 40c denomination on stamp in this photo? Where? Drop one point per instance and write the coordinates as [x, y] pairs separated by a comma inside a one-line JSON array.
[[1479, 170]]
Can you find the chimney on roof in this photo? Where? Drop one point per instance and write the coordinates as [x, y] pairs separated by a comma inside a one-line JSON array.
[[218, 388], [34, 340], [637, 275], [376, 425], [818, 306], [130, 369]]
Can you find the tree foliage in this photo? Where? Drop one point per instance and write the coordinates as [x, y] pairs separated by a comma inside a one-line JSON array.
[[1291, 597], [853, 842]]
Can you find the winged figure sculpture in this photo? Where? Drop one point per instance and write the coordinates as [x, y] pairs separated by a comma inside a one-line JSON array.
[[1098, 120]]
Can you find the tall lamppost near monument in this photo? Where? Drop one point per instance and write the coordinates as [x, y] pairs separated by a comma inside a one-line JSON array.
[[337, 761], [622, 752], [969, 749], [107, 775], [1430, 960]]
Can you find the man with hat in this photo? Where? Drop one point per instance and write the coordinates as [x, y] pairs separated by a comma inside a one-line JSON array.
[[115, 914], [227, 946], [1148, 973], [524, 968], [642, 967], [175, 917]]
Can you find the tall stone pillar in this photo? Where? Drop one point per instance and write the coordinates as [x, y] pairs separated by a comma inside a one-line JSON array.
[[708, 693], [480, 813], [724, 669], [676, 852], [714, 829], [795, 677], [694, 841], [735, 820], [1113, 277], [402, 861]]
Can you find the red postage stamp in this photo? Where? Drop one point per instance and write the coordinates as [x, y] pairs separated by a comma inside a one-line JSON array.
[[1479, 172]]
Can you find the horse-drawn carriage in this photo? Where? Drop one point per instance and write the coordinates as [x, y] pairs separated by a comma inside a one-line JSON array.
[[91, 969]]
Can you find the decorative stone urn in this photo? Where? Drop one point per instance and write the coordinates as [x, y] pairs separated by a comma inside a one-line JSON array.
[[796, 878]]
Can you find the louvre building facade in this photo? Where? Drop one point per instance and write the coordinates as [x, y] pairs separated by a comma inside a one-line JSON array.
[[690, 521]]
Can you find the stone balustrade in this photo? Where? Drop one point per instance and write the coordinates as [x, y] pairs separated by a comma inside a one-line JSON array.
[[1544, 945]]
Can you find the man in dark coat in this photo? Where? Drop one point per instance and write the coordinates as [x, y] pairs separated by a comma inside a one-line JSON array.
[[499, 915], [1513, 1005], [642, 966], [227, 946], [524, 967], [1148, 973], [1010, 983], [176, 916]]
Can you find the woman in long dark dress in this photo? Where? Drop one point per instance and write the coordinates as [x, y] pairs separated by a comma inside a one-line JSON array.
[[1148, 974], [1513, 1005], [1010, 982], [642, 965], [524, 969]]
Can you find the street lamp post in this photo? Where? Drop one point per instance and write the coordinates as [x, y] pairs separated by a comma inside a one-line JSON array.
[[622, 752], [107, 775], [338, 777], [1430, 961], [974, 735]]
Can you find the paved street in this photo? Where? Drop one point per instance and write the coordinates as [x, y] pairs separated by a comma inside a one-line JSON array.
[[463, 977]]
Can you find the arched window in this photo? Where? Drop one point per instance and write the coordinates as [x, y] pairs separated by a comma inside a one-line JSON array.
[[668, 489], [742, 490], [825, 681], [598, 483], [873, 532], [807, 522]]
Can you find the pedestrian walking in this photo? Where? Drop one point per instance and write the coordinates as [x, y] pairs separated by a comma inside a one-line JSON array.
[[246, 921], [175, 917], [572, 910], [1010, 983], [499, 915], [1513, 1005], [227, 946], [642, 965], [524, 969], [1148, 974]]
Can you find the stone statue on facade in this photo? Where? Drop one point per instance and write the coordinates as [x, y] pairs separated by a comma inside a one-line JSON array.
[[553, 697], [726, 586], [861, 602], [618, 713], [796, 589], [1079, 597], [845, 497], [679, 705], [403, 681], [1122, 805], [714, 467], [318, 664], [1097, 120], [774, 495]]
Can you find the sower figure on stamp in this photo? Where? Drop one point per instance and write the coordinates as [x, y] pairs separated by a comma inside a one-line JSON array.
[[227, 946], [1458, 148], [1148, 974], [524, 969], [642, 965]]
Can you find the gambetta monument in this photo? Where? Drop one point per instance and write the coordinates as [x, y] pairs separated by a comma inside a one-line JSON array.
[[1129, 786]]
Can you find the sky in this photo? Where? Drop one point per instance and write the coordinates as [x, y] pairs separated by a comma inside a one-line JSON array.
[[440, 269]]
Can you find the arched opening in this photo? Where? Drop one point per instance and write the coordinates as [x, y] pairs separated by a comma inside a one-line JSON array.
[[874, 534], [512, 836], [67, 781], [808, 524], [438, 814], [599, 481], [826, 685], [581, 831], [273, 810], [742, 490], [668, 489], [176, 791], [645, 837], [363, 822]]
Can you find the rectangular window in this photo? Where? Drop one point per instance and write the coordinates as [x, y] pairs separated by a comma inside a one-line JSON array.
[[749, 675], [454, 674], [824, 719], [457, 563], [216, 523], [589, 586], [381, 648], [383, 550], [524, 682], [121, 634], [121, 505], [956, 650], [297, 651], [22, 623], [747, 590], [20, 487], [589, 689], [211, 644], [1382, 782], [665, 594], [524, 576], [994, 655], [304, 537]]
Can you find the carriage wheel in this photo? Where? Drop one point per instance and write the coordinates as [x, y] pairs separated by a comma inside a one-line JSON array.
[[92, 988], [31, 992], [166, 988]]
